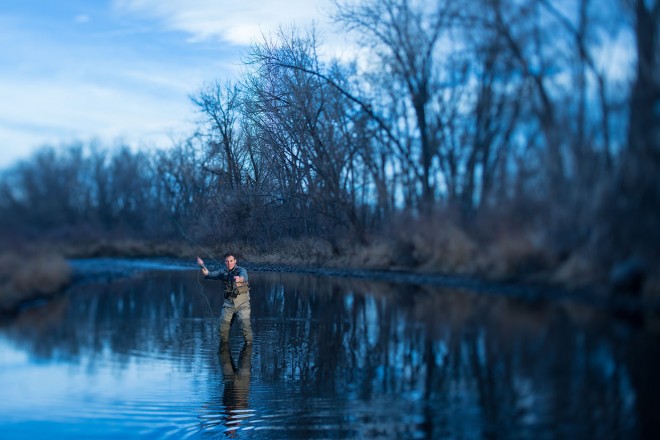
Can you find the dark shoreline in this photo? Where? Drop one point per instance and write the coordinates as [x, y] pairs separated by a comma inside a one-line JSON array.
[[108, 269]]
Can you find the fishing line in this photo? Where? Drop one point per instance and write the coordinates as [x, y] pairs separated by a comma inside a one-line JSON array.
[[201, 286], [201, 291], [189, 238]]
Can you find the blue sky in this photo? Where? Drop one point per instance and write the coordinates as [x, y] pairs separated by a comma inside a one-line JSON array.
[[122, 70]]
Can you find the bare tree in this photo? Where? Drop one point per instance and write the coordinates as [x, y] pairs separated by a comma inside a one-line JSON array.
[[304, 122], [220, 106], [182, 187], [405, 38], [632, 207], [644, 125]]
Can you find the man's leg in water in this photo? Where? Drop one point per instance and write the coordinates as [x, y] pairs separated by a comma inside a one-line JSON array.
[[244, 320], [224, 323]]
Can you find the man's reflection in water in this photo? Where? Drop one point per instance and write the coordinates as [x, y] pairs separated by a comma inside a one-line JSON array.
[[236, 379]]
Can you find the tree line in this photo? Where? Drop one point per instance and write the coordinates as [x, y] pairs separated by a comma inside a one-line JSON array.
[[499, 116]]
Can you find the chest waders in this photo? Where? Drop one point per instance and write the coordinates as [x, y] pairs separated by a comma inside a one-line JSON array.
[[237, 302], [232, 288]]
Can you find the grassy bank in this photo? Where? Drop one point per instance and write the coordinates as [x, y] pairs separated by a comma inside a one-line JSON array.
[[429, 249], [29, 275], [441, 249]]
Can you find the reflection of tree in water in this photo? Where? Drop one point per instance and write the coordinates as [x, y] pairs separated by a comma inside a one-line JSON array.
[[85, 321], [506, 365]]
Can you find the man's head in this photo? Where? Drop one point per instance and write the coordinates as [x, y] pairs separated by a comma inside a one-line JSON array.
[[230, 260]]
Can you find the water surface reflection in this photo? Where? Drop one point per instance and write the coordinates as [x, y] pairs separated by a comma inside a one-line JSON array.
[[333, 358]]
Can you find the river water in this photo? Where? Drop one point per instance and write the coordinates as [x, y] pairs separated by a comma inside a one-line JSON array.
[[137, 357]]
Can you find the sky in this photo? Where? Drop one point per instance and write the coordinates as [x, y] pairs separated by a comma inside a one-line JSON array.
[[123, 71]]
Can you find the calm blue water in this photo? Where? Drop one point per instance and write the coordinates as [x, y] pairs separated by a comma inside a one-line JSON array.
[[137, 357]]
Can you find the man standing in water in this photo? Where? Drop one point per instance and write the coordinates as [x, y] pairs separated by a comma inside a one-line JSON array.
[[237, 296]]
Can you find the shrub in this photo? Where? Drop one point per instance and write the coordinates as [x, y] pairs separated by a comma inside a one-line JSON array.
[[515, 254], [26, 276]]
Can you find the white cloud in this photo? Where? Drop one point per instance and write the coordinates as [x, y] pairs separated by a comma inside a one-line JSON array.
[[43, 114], [243, 23], [82, 18], [237, 23], [59, 90], [130, 75]]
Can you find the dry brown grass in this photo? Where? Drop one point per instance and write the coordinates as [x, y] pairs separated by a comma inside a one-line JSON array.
[[516, 254], [443, 247], [299, 252], [127, 248], [379, 254], [435, 244], [576, 271], [27, 275], [429, 246]]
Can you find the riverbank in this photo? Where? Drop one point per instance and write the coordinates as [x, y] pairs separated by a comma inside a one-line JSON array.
[[28, 275], [451, 256]]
